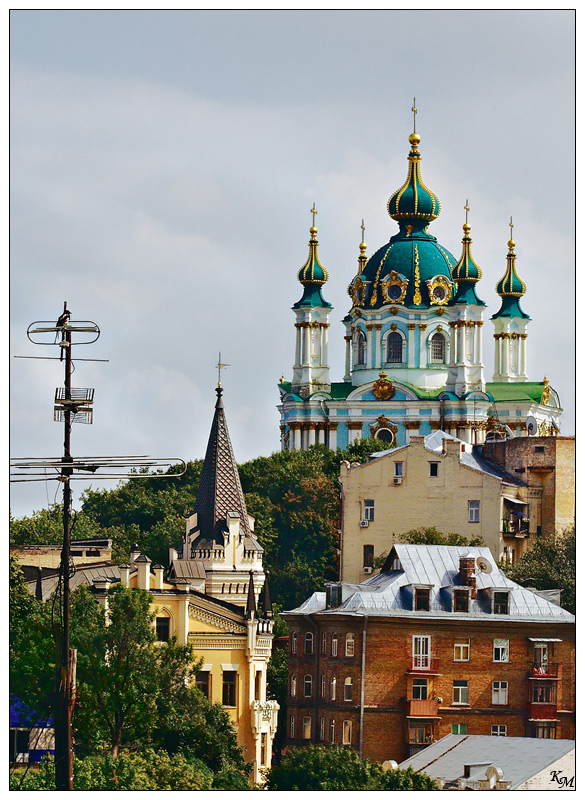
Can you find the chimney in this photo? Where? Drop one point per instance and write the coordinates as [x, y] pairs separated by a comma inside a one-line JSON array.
[[158, 570], [134, 553], [467, 572], [143, 564], [124, 574]]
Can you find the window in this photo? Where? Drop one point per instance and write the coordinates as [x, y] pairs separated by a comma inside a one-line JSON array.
[[369, 510], [539, 449], [333, 688], [473, 510], [421, 652], [293, 685], [360, 348], [420, 733], [348, 689], [323, 685], [420, 689], [499, 730], [433, 469], [500, 602], [501, 649], [459, 727], [306, 727], [258, 686], [460, 693], [461, 650], [346, 731], [422, 599], [385, 435], [394, 348], [332, 730], [399, 469], [438, 348], [163, 629], [460, 600], [349, 644], [292, 727], [324, 644], [322, 729], [229, 689], [293, 643], [500, 693], [334, 645], [19, 743], [263, 742], [308, 644], [202, 683], [544, 730], [543, 692], [541, 653], [308, 686], [369, 556]]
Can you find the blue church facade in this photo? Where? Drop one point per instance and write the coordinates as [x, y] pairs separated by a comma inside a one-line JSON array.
[[413, 336]]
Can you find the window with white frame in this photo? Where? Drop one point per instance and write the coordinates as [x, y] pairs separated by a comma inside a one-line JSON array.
[[292, 727], [293, 685], [399, 469], [501, 649], [293, 643], [460, 693], [461, 650], [369, 510], [420, 689], [360, 348], [349, 644], [473, 510], [307, 686], [346, 731], [323, 686], [332, 730], [500, 693], [324, 644], [334, 645], [394, 348], [438, 348], [348, 689], [322, 729], [333, 688], [499, 730], [459, 728], [306, 727]]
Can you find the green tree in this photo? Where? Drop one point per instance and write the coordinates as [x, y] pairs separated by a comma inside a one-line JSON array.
[[335, 768], [430, 535], [549, 564]]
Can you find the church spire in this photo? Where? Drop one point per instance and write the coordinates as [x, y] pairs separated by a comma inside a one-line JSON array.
[[312, 275], [220, 491], [511, 288], [466, 273]]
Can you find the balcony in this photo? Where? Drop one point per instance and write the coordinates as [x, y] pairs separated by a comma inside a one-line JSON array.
[[544, 669], [264, 715], [542, 711], [424, 664], [426, 709], [516, 526]]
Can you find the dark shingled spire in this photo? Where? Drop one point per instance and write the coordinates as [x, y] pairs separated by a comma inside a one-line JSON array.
[[267, 601], [220, 490], [251, 601]]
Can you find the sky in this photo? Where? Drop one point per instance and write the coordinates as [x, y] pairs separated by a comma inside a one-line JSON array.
[[163, 165]]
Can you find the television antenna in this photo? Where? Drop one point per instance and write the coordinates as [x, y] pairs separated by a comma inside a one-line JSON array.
[[74, 405]]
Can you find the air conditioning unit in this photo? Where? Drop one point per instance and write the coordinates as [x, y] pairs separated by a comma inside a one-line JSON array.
[[364, 523], [368, 570], [397, 481]]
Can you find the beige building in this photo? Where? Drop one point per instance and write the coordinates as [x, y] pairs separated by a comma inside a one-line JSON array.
[[434, 481]]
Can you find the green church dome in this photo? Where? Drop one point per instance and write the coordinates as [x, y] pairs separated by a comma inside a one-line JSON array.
[[466, 272], [511, 288], [312, 275], [414, 201]]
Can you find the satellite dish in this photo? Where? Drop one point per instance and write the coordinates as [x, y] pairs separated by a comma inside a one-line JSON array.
[[483, 565], [531, 426]]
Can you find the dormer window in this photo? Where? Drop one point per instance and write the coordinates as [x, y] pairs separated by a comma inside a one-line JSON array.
[[460, 600], [501, 603], [422, 599]]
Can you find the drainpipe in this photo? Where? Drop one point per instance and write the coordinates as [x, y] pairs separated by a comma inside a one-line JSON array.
[[362, 687], [314, 736]]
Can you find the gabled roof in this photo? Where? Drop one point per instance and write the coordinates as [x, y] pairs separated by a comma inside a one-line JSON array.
[[220, 491], [519, 758]]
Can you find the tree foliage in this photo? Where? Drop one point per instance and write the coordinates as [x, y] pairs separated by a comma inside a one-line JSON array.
[[549, 564], [431, 535], [335, 768]]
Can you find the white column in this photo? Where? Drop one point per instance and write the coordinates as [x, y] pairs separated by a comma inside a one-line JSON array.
[[306, 344], [333, 437], [369, 360], [453, 354], [298, 346], [411, 328], [497, 360], [324, 345], [311, 434], [523, 356], [425, 345], [461, 344], [295, 437], [378, 363], [505, 355], [347, 375], [478, 342]]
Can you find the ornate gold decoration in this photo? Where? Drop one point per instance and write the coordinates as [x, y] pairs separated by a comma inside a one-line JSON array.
[[393, 326], [383, 422], [394, 310], [440, 290], [439, 327], [354, 425], [394, 279], [543, 428], [411, 424], [423, 326], [411, 326], [409, 229], [383, 389], [545, 391], [357, 291], [417, 299], [441, 311]]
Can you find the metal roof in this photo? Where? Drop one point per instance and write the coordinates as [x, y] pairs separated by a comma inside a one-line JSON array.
[[519, 758]]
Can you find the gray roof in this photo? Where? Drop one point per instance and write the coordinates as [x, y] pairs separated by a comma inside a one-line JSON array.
[[83, 575], [191, 570], [435, 566], [519, 758]]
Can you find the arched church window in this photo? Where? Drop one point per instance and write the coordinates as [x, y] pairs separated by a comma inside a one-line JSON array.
[[385, 435], [394, 348], [438, 348], [360, 349]]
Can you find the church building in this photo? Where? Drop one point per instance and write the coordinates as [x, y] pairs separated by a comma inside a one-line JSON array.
[[413, 356]]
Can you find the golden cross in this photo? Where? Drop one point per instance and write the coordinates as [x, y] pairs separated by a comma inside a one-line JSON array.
[[466, 207], [220, 366], [511, 226], [415, 112], [363, 231], [313, 212]]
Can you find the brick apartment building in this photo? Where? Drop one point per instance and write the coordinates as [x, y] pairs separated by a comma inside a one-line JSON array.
[[438, 642]]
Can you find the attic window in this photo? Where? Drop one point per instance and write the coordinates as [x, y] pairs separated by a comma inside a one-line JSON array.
[[460, 600], [422, 599], [501, 600]]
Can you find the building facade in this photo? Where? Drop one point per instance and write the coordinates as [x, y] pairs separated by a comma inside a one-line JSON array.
[[439, 642], [414, 353], [436, 481]]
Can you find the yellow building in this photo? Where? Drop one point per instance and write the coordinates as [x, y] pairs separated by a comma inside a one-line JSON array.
[[210, 597], [434, 481]]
